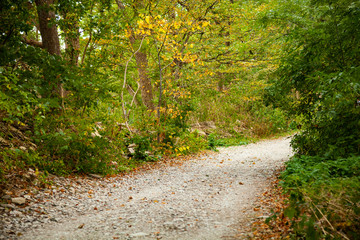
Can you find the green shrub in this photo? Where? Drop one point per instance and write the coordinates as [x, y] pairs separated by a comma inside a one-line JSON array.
[[324, 197]]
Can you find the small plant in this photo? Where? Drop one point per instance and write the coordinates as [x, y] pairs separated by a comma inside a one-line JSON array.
[[215, 140], [324, 197]]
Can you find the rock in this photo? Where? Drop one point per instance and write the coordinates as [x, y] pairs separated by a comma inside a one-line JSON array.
[[23, 148], [131, 148], [16, 213], [94, 175], [140, 234], [95, 133], [199, 132], [28, 197], [18, 200], [7, 206]]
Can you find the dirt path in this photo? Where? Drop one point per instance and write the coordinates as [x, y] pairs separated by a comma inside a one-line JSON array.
[[211, 197]]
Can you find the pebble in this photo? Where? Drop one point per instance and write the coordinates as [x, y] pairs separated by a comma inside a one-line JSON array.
[[18, 200], [140, 234], [5, 205]]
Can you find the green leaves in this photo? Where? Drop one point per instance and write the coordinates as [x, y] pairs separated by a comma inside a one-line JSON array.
[[322, 188], [318, 76]]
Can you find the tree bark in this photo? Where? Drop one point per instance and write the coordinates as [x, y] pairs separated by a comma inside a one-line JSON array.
[[145, 82], [48, 30], [49, 35], [142, 64], [72, 38]]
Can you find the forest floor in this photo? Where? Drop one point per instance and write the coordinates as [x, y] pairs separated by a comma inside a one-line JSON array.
[[212, 196]]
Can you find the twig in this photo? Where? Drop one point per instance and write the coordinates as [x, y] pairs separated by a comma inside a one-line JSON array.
[[133, 99], [325, 218]]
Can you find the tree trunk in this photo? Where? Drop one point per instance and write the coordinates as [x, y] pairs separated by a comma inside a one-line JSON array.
[[49, 35], [142, 63], [48, 30], [72, 38], [72, 46], [145, 83]]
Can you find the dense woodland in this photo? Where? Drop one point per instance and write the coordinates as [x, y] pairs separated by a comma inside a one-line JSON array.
[[104, 86]]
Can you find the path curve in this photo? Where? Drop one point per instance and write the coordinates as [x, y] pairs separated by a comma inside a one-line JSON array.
[[210, 197]]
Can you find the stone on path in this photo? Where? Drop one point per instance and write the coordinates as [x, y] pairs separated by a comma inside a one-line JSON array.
[[140, 234], [18, 200]]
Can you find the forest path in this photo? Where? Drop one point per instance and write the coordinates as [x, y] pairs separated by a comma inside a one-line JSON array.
[[210, 197]]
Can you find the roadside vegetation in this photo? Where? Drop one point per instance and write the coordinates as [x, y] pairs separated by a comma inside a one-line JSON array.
[[318, 83], [104, 86]]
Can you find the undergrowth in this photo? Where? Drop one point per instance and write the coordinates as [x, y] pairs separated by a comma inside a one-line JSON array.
[[324, 197]]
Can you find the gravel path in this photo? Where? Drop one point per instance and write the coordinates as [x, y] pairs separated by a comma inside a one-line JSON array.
[[211, 197]]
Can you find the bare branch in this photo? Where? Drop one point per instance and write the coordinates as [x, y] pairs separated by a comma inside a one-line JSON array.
[[134, 97], [126, 116]]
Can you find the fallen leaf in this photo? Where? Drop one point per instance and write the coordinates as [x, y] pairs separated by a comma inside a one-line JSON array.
[[81, 226]]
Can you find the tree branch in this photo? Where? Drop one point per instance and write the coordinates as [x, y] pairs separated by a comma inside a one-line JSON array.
[[32, 42], [126, 116], [86, 46]]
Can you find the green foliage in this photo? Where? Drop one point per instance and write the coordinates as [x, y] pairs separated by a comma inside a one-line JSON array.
[[318, 78], [215, 140], [324, 197], [317, 83], [14, 160], [142, 148], [22, 82], [213, 67]]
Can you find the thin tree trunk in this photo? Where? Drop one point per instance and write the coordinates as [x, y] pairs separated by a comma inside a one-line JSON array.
[[72, 45], [144, 80], [72, 39], [133, 94]]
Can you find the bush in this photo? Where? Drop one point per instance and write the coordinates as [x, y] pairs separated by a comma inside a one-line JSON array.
[[324, 197]]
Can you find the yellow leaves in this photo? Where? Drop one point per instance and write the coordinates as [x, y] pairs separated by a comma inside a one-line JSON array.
[[205, 24], [141, 23], [128, 33], [182, 149]]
